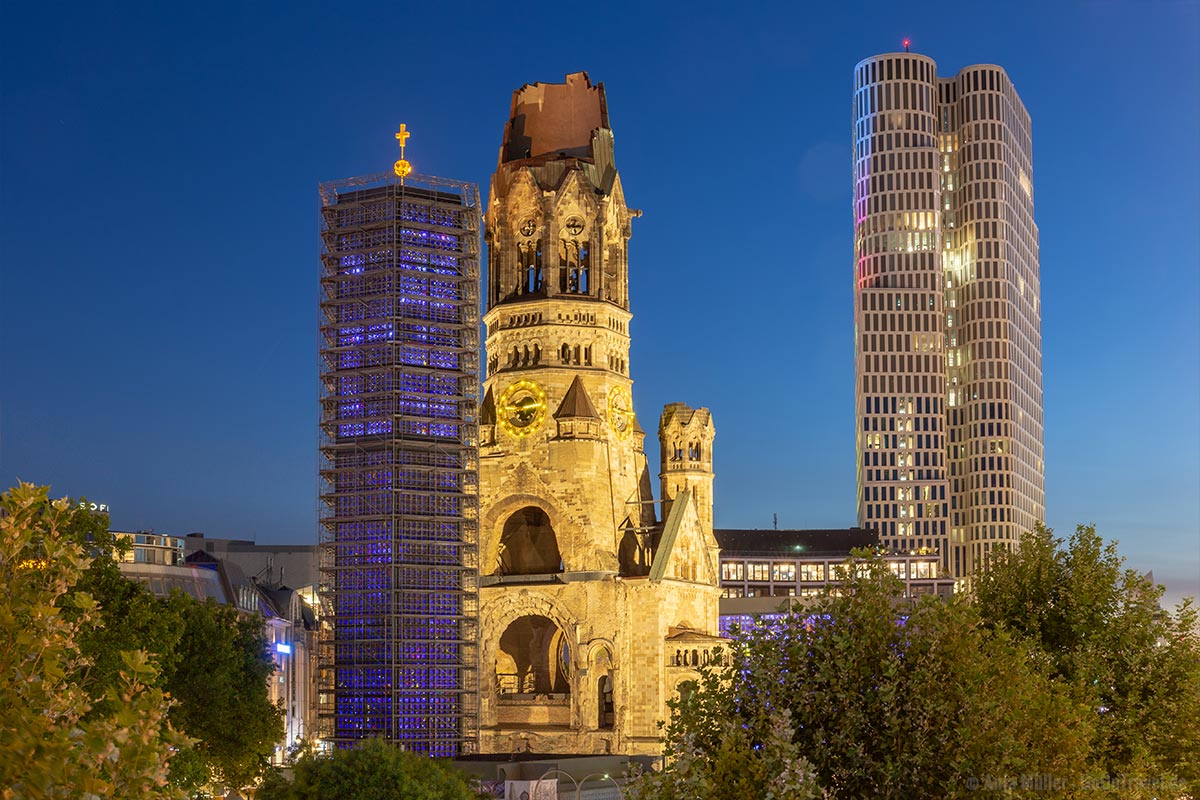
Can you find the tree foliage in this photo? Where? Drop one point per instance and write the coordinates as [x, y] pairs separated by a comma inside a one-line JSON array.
[[737, 765], [212, 661], [51, 744], [886, 701], [218, 675], [1100, 627], [373, 771], [130, 617]]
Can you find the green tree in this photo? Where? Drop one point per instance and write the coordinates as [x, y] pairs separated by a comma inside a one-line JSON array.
[[1101, 628], [212, 661], [218, 675], [50, 745], [739, 765], [890, 701], [373, 771], [131, 618]]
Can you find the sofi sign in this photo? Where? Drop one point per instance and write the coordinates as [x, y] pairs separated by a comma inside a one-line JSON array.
[[101, 507]]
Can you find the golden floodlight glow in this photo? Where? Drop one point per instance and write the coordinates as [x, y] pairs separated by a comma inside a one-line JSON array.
[[521, 409], [620, 411], [402, 168]]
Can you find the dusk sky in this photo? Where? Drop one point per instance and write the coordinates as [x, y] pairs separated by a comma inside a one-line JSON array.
[[159, 166]]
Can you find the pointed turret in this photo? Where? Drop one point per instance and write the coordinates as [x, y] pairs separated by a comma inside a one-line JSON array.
[[576, 404], [487, 419], [577, 417]]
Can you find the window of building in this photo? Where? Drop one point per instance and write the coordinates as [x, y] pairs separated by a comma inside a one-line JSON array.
[[732, 571], [812, 572], [758, 571], [783, 572]]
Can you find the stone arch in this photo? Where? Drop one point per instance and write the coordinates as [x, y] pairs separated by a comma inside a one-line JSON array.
[[599, 649], [602, 671], [533, 656], [498, 616], [528, 544], [492, 526]]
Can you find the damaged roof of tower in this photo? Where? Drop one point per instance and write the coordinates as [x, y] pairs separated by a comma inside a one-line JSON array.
[[554, 119]]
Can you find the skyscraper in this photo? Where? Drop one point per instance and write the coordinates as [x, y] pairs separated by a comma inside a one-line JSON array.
[[948, 367], [399, 347]]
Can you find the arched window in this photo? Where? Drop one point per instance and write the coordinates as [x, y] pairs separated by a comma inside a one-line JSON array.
[[534, 658], [528, 545], [585, 267], [575, 266], [530, 254], [604, 700]]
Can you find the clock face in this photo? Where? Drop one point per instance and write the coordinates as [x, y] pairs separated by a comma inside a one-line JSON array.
[[522, 408], [574, 226], [620, 411], [528, 227]]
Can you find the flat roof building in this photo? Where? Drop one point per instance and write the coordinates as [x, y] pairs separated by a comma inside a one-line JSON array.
[[759, 567], [291, 564], [148, 547]]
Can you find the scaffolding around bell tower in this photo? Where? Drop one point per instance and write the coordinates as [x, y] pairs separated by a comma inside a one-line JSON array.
[[399, 487]]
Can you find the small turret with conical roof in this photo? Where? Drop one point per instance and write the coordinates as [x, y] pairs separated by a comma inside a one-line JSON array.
[[576, 416]]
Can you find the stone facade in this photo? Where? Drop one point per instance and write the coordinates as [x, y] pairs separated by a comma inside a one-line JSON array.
[[587, 596]]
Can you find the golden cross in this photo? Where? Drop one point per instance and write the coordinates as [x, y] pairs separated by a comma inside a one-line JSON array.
[[402, 167]]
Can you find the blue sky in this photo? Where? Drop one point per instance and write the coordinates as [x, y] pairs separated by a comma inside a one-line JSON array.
[[158, 235]]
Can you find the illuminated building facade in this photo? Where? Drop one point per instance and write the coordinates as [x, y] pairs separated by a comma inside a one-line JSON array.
[[399, 348], [148, 547], [766, 573], [948, 365], [585, 593]]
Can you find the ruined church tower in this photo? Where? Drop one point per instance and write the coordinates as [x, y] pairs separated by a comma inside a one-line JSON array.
[[586, 595]]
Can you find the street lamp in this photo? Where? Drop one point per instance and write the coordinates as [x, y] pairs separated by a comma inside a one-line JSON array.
[[604, 776]]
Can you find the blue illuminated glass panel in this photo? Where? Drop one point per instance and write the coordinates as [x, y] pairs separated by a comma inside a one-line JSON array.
[[399, 341]]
